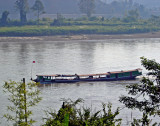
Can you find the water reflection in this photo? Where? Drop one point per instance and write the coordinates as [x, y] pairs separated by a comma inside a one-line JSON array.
[[22, 53]]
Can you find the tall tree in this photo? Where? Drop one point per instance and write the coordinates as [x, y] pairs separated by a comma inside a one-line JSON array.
[[132, 16], [23, 7], [4, 19], [39, 8], [146, 95], [22, 96], [87, 7]]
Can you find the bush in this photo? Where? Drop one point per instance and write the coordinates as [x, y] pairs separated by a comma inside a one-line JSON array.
[[83, 18], [93, 18], [70, 115]]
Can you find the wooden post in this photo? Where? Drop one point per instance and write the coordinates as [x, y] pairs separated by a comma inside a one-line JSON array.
[[25, 101], [31, 71]]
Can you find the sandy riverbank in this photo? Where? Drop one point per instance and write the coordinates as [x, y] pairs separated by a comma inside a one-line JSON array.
[[80, 37]]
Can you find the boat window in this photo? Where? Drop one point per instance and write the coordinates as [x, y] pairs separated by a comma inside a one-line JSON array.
[[126, 74], [120, 74], [83, 77], [134, 73], [40, 77], [112, 76], [52, 77], [101, 76]]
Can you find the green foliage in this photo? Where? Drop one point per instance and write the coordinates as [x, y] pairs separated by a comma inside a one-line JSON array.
[[94, 19], [104, 28], [92, 25], [148, 90], [23, 7], [4, 19], [155, 20], [120, 7], [83, 18], [59, 21], [132, 16], [22, 97], [87, 6], [47, 19], [70, 115], [39, 8]]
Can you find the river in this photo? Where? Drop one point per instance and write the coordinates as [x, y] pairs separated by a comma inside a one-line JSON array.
[[70, 57]]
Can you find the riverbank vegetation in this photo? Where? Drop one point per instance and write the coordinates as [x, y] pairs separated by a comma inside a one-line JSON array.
[[143, 97], [131, 22], [92, 25]]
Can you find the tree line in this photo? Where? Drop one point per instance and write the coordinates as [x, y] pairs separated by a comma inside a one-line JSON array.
[[144, 96], [85, 6], [128, 24], [23, 7]]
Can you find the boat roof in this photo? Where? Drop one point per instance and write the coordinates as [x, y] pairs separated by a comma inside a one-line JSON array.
[[58, 75], [108, 73], [99, 74]]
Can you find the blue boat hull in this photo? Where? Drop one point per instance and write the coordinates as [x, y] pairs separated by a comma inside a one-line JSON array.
[[109, 76], [86, 80]]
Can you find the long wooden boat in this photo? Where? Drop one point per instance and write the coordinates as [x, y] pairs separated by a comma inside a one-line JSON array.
[[109, 76]]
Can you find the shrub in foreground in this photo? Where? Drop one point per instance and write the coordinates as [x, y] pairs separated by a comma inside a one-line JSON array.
[[145, 96], [23, 97], [70, 115]]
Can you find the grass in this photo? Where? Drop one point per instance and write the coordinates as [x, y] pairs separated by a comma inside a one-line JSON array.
[[105, 28]]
